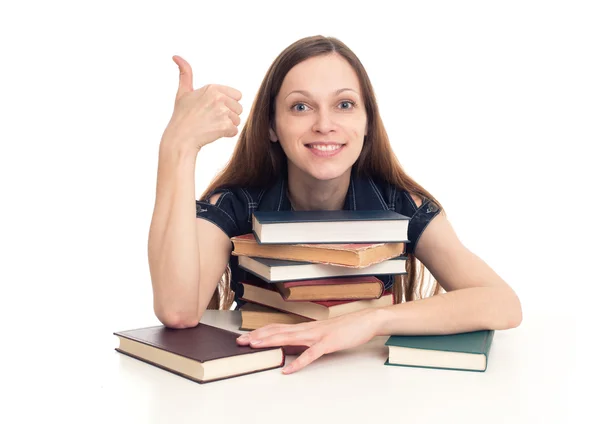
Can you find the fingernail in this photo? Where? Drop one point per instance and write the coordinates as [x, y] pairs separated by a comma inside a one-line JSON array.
[[243, 338], [286, 369], [255, 342]]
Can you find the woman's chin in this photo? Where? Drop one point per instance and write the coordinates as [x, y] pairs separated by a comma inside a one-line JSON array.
[[321, 171], [327, 173]]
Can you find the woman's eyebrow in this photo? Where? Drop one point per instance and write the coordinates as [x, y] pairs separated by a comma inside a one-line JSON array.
[[307, 94]]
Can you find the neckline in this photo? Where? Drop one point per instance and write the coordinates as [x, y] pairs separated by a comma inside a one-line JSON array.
[[285, 202]]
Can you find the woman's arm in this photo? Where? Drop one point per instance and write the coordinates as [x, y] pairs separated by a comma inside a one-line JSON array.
[[187, 255], [172, 240], [477, 298]]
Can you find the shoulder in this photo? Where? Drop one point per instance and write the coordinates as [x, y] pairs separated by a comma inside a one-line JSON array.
[[397, 198], [244, 195], [229, 208], [419, 209], [408, 202]]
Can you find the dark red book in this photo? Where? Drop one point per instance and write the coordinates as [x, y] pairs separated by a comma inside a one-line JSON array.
[[202, 354], [322, 289]]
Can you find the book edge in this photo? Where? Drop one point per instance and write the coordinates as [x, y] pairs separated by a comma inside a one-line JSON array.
[[187, 377], [387, 363], [445, 350]]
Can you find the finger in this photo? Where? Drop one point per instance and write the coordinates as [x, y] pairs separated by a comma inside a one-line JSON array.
[[273, 329], [269, 330], [290, 338], [231, 131], [186, 83], [233, 105], [235, 118], [311, 354], [262, 332], [229, 91]]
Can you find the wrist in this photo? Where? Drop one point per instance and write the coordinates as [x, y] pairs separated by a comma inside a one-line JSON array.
[[170, 148], [381, 318]]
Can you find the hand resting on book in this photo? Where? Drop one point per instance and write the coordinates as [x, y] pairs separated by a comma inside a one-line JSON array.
[[316, 337]]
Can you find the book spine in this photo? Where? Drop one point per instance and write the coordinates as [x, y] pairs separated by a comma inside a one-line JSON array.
[[487, 342]]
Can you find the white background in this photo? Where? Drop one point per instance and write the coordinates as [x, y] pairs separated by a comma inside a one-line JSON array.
[[492, 106]]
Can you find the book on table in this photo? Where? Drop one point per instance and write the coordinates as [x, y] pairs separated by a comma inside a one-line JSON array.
[[278, 270], [463, 351], [256, 316], [336, 226], [202, 354]]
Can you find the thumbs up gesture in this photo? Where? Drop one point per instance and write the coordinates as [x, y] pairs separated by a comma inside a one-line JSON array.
[[201, 116]]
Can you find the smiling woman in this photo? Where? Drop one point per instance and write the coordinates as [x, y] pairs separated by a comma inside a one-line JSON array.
[[314, 140], [319, 122], [320, 130]]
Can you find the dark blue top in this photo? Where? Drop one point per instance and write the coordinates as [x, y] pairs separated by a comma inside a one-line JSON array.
[[233, 213]]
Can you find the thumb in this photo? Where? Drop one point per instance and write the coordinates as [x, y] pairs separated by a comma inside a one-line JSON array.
[[185, 76]]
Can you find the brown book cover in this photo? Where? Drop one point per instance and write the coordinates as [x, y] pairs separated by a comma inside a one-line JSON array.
[[321, 289], [354, 255], [268, 295], [202, 354], [256, 316]]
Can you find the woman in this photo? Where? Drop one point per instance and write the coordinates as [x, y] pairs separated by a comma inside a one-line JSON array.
[[314, 140]]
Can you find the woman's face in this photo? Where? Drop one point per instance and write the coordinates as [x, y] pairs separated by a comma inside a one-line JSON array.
[[320, 119]]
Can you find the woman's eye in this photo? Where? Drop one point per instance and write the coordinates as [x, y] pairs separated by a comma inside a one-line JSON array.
[[349, 104], [298, 104]]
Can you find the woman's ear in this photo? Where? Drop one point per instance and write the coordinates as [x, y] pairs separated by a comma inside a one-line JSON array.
[[272, 135]]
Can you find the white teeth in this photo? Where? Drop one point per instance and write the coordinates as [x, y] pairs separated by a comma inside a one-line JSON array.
[[329, 148]]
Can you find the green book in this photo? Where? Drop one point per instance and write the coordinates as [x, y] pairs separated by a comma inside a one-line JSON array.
[[463, 351]]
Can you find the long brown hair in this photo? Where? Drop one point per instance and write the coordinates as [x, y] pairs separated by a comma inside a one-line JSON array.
[[257, 162]]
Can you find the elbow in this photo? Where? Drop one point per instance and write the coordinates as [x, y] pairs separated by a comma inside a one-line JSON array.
[[516, 316], [512, 312], [175, 319]]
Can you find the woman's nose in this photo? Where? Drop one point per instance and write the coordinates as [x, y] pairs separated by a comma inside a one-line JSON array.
[[324, 122]]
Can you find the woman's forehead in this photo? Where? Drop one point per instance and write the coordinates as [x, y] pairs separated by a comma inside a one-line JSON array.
[[320, 76]]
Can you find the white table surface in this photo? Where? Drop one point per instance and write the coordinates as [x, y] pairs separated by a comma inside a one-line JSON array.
[[75, 375], [529, 379]]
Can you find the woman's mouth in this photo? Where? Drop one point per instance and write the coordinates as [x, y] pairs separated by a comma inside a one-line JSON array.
[[325, 149]]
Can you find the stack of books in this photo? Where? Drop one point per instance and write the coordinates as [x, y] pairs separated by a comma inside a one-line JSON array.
[[314, 265], [308, 266]]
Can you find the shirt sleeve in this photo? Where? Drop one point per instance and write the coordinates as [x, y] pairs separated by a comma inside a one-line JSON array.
[[229, 213], [420, 217]]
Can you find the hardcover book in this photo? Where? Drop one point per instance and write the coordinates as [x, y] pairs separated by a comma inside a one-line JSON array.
[[256, 316], [347, 288], [202, 354], [337, 226], [278, 270], [463, 351], [350, 255], [267, 295]]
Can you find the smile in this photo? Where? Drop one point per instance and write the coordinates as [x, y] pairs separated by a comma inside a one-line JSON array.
[[325, 150]]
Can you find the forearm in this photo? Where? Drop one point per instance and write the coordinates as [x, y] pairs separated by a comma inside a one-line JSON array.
[[464, 310], [172, 241]]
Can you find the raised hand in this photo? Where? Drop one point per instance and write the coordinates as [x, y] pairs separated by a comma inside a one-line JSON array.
[[201, 116]]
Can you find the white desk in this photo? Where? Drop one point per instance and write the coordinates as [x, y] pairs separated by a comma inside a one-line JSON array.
[[527, 381]]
